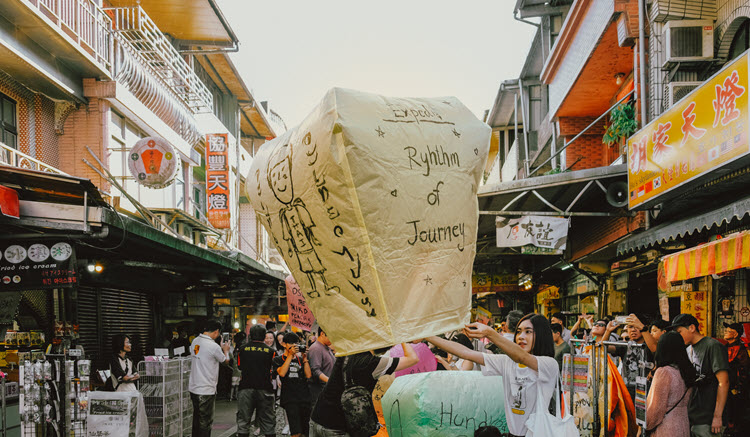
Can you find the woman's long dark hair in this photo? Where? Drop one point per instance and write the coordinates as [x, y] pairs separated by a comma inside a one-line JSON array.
[[671, 351], [544, 345]]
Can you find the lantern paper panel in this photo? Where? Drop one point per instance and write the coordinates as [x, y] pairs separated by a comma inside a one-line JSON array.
[[372, 202]]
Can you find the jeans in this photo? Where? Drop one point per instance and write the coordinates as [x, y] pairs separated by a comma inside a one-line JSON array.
[[203, 414], [260, 401], [317, 430]]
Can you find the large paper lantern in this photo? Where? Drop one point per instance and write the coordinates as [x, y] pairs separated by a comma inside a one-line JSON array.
[[437, 404], [153, 162], [372, 203]]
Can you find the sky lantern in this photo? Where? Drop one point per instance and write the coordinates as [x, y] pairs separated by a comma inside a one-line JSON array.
[[372, 202]]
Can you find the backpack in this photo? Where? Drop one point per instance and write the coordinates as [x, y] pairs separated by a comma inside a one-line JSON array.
[[359, 411]]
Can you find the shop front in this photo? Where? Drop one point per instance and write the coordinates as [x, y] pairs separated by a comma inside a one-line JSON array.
[[689, 170], [74, 273]]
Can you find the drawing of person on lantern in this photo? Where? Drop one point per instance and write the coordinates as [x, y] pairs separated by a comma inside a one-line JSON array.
[[296, 223]]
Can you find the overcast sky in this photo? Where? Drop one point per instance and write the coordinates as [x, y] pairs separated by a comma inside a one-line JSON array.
[[292, 52]]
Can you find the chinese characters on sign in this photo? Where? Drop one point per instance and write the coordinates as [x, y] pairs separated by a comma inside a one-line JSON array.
[[704, 131], [217, 180], [549, 233], [696, 304], [31, 266], [153, 163]]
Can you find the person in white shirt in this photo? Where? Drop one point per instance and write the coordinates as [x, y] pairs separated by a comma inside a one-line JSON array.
[[524, 363], [206, 356]]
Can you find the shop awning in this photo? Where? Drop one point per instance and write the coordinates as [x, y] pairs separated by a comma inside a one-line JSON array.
[[717, 256], [670, 231]]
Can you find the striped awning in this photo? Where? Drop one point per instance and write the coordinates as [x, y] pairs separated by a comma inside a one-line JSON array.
[[730, 253]]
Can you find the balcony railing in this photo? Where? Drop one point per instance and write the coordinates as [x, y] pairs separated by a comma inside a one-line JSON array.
[[131, 70], [133, 25], [84, 22], [12, 157]]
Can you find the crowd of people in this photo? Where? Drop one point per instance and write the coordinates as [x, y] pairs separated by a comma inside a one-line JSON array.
[[697, 385]]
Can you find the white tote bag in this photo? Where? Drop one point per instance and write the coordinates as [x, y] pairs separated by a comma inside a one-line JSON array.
[[542, 424]]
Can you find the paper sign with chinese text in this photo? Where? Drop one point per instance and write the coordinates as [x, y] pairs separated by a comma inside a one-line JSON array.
[[702, 132], [497, 283], [300, 316], [539, 231], [217, 180], [372, 202], [696, 304]]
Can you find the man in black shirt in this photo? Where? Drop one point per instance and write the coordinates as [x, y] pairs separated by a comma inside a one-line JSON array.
[[365, 368], [294, 370], [255, 361]]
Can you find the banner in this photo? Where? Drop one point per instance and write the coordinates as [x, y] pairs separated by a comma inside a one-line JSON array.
[[37, 265], [217, 180], [444, 404], [372, 202], [300, 316], [548, 233], [702, 132]]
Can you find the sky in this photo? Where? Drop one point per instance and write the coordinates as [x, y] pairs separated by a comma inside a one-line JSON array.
[[292, 52]]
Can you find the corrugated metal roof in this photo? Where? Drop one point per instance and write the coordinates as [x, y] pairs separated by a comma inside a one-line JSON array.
[[671, 231]]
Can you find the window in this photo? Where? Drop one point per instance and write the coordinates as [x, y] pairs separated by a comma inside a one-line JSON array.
[[741, 40], [555, 24], [9, 126]]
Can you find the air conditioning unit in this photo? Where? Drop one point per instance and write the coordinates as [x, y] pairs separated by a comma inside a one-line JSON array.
[[688, 41], [185, 230], [678, 90], [198, 239]]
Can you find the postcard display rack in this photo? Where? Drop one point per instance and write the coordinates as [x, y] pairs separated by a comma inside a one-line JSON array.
[[164, 386], [54, 396]]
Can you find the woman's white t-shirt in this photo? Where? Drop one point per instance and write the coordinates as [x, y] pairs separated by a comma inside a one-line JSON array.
[[520, 384]]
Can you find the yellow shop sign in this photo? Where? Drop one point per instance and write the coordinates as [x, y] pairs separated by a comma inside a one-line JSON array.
[[704, 131]]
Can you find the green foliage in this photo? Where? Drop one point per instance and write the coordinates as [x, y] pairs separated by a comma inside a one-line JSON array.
[[622, 124]]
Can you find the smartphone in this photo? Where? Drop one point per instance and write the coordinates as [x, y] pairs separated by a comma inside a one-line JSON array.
[[226, 337], [621, 320]]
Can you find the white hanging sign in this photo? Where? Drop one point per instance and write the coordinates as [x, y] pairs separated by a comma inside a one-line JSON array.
[[153, 162], [539, 231]]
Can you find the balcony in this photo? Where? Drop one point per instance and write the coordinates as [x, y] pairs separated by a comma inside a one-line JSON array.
[[13, 158], [133, 27], [84, 22]]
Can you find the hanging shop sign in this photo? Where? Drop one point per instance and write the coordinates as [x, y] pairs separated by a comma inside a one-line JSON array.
[[696, 304], [547, 294], [37, 265], [300, 316], [539, 235], [153, 162], [704, 131], [217, 180], [497, 283], [372, 202]]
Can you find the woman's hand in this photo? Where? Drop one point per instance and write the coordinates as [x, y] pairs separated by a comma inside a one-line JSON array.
[[478, 330]]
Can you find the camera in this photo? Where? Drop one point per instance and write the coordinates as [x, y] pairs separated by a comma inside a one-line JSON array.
[[302, 348]]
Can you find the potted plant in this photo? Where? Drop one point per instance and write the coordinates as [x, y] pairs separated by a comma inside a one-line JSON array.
[[622, 124]]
